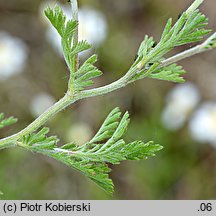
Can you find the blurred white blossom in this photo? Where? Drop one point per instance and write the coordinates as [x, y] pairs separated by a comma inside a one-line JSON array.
[[92, 26], [13, 55], [40, 103], [180, 102], [79, 133], [203, 123]]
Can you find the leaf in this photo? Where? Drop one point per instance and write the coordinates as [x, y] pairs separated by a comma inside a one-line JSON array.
[[108, 127], [92, 158], [66, 30], [146, 46], [96, 171], [193, 29], [57, 18], [80, 47], [189, 28], [69, 30], [6, 121], [166, 29], [40, 143], [170, 73], [85, 74], [107, 146], [40, 140]]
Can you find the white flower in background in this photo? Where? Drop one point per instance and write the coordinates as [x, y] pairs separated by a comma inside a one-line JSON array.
[[80, 133], [55, 40], [40, 103], [92, 26], [13, 55], [180, 103], [203, 123]]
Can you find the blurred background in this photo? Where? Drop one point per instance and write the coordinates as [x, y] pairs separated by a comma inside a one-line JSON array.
[[182, 117]]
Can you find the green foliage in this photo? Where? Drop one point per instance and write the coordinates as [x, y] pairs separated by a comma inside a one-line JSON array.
[[85, 74], [210, 43], [40, 140], [189, 28], [66, 29], [92, 158], [108, 146], [6, 121], [172, 73], [108, 127]]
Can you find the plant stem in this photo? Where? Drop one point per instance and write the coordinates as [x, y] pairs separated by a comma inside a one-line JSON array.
[[49, 113], [205, 46], [122, 82], [74, 7], [190, 52]]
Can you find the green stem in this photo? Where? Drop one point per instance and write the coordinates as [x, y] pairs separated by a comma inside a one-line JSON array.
[[74, 7], [205, 46], [41, 120], [122, 82]]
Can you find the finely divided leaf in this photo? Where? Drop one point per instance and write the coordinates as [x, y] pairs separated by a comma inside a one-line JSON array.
[[66, 29], [80, 47], [189, 28], [138, 150], [169, 73], [107, 146], [6, 121], [96, 171], [85, 74], [69, 30], [108, 127], [194, 29], [92, 158], [40, 140], [57, 18], [146, 46]]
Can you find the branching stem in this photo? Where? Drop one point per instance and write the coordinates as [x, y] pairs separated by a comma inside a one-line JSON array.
[[70, 99], [190, 52]]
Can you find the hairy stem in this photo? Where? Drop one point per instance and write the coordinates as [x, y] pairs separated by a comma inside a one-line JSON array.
[[190, 52], [68, 100], [74, 7], [41, 120]]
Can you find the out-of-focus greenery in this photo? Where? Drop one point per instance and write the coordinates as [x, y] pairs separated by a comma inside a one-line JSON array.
[[183, 170]]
